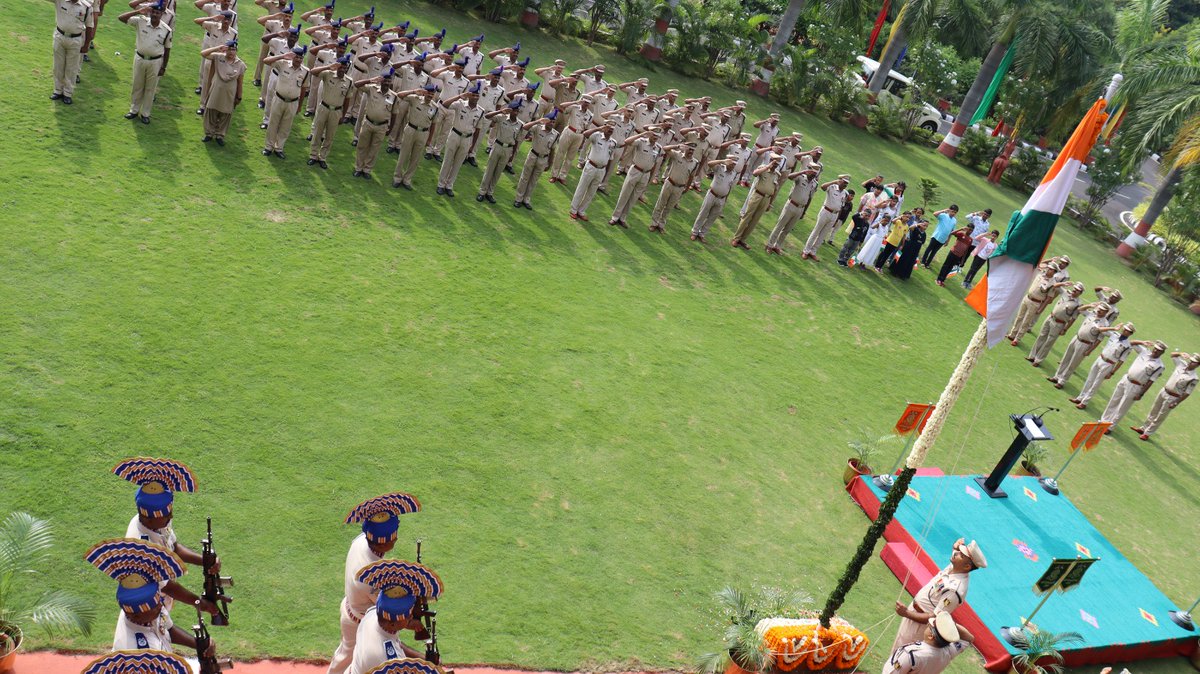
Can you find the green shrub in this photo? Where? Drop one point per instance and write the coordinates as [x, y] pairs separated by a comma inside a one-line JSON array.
[[1027, 166], [977, 147]]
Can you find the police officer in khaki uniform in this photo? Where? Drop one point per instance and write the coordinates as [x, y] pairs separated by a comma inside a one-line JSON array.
[[683, 166], [277, 43], [419, 117], [218, 30], [1111, 358], [333, 89], [543, 136], [1146, 368], [1095, 322], [71, 20], [578, 115], [508, 128], [290, 79], [945, 592], [724, 175], [1035, 302], [463, 115], [940, 642], [276, 22], [1061, 318], [762, 192], [1179, 386], [152, 49], [600, 152], [835, 196], [803, 185], [644, 150], [224, 90], [378, 106]]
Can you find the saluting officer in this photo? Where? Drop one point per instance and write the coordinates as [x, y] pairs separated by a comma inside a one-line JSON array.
[[421, 110], [944, 592], [1036, 301], [1179, 386], [593, 170], [941, 641], [543, 135], [644, 150], [152, 50], [766, 184], [835, 196], [724, 176], [508, 128], [378, 115], [224, 89], [290, 79], [804, 184], [71, 20], [1062, 316], [1095, 324], [463, 115], [1146, 368], [334, 91], [1111, 358], [683, 165]]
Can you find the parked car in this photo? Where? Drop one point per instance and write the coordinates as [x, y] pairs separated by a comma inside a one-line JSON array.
[[930, 118]]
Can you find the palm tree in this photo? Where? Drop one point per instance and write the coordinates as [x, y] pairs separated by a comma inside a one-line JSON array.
[[25, 550], [915, 19], [1053, 37], [1162, 94]]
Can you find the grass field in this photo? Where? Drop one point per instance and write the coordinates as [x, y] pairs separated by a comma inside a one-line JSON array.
[[604, 426]]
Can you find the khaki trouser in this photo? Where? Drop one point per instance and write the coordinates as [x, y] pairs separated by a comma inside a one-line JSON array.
[[439, 131], [216, 124], [1027, 314], [1074, 354], [631, 190], [205, 64], [564, 154], [1101, 370], [608, 173], [400, 125], [756, 205], [788, 217], [145, 83], [710, 210], [497, 160], [412, 140], [585, 191], [530, 173], [1123, 397], [279, 125], [344, 654], [667, 199], [324, 128], [1051, 331], [268, 96], [453, 158], [370, 139], [485, 127], [826, 220], [66, 62], [263, 49], [1163, 404]]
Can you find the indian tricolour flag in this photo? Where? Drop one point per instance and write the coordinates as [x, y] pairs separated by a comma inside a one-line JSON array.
[[1013, 265]]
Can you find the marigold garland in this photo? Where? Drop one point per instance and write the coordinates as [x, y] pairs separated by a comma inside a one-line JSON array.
[[804, 644]]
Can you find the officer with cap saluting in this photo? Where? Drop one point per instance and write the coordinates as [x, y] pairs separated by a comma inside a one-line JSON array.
[[378, 115], [380, 518], [140, 568], [421, 109], [152, 50], [1178, 388], [508, 128], [941, 642], [290, 79], [463, 114], [1146, 368], [71, 21], [334, 92], [224, 89], [944, 592], [399, 584], [158, 480]]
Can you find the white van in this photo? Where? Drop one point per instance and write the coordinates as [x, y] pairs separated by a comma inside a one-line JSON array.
[[930, 118]]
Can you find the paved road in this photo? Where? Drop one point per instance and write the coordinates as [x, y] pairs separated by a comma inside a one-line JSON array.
[[1126, 198]]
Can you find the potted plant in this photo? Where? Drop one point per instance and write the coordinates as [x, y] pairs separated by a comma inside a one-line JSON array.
[[662, 18], [744, 651], [1034, 453], [1039, 650], [24, 550], [862, 451], [529, 16]]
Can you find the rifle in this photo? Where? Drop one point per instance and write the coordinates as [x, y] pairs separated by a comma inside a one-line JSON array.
[[428, 618], [214, 583], [208, 665]]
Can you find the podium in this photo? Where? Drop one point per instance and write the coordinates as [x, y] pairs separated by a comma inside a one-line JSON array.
[[1029, 429]]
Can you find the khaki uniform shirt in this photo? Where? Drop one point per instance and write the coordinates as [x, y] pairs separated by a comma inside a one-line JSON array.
[[452, 85], [489, 96], [1089, 332], [681, 168], [72, 17], [465, 119], [1065, 309], [506, 129], [277, 46], [766, 135], [420, 111], [289, 82], [410, 77], [225, 76], [579, 120], [214, 35], [601, 150], [621, 130], [1116, 350], [1182, 381], [834, 198], [722, 180], [1145, 369], [944, 592], [591, 84], [378, 105], [803, 188], [922, 658], [543, 141], [766, 183], [151, 41], [334, 89], [644, 153], [1040, 291]]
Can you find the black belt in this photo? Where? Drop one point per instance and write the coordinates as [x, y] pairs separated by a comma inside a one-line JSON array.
[[459, 133], [148, 58], [286, 100], [538, 154], [597, 165], [62, 32], [683, 184], [719, 196], [417, 127], [503, 144], [377, 123], [330, 107]]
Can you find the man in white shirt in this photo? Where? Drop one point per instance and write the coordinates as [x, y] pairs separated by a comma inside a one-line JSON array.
[[985, 245], [944, 592], [380, 518], [401, 586], [942, 641]]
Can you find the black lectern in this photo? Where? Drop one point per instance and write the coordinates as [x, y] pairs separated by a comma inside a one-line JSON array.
[[1029, 429]]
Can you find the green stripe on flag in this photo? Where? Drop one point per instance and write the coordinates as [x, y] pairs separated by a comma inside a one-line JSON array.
[[1027, 235]]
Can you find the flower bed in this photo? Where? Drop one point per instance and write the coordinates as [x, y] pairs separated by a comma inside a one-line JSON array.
[[803, 644]]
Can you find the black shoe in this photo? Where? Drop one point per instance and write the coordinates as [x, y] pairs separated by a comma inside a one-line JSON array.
[[221, 142], [263, 125], [197, 90], [199, 111], [262, 105], [490, 198], [67, 100], [86, 59], [307, 113], [309, 137], [145, 120], [406, 186], [441, 190], [55, 96], [206, 139], [357, 173], [449, 192], [266, 153], [471, 161], [366, 176], [429, 155], [517, 204], [479, 198], [601, 191], [130, 115], [322, 164], [279, 153], [528, 207], [396, 184], [437, 157], [311, 161], [258, 83], [391, 150], [509, 170], [77, 80]]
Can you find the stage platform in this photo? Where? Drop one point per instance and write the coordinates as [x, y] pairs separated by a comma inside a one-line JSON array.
[[1120, 613]]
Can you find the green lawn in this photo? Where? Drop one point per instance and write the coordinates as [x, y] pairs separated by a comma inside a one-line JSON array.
[[604, 426]]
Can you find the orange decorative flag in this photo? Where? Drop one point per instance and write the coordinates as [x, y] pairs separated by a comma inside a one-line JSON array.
[[1089, 434], [914, 414]]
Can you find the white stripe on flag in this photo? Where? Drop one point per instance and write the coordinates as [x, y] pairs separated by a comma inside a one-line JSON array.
[[1008, 283]]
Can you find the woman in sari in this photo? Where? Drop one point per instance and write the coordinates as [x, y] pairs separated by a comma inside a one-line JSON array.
[[903, 268]]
